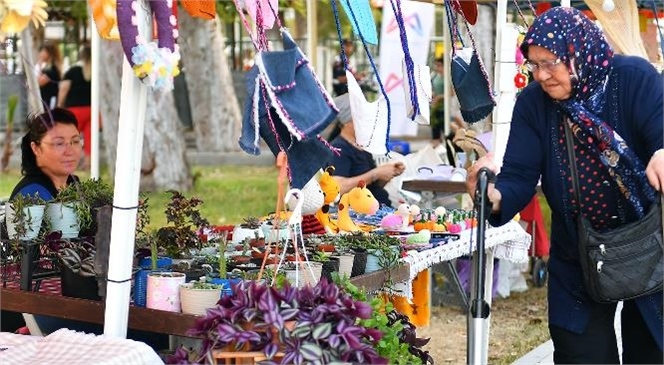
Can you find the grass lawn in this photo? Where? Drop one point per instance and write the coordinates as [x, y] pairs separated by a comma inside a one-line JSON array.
[[229, 193]]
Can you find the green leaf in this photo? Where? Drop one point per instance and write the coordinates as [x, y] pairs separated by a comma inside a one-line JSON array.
[[311, 351], [322, 330], [301, 331]]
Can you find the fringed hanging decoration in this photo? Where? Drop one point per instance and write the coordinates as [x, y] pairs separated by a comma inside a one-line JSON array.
[[156, 64], [418, 91], [371, 120], [287, 105], [469, 77], [265, 10]]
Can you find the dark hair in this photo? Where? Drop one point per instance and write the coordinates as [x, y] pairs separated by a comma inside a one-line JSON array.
[[38, 126], [439, 59], [85, 53]]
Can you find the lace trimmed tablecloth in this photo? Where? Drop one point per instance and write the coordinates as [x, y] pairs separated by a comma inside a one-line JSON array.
[[509, 241], [70, 347]]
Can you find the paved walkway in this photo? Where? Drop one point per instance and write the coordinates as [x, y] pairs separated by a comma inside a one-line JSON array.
[[543, 354]]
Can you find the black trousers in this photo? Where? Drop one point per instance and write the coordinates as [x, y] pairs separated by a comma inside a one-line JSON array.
[[598, 345]]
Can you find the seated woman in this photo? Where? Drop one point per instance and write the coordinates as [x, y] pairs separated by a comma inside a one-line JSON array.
[[50, 152]]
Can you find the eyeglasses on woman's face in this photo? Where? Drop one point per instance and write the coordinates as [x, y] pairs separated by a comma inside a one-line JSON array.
[[60, 144], [547, 66]]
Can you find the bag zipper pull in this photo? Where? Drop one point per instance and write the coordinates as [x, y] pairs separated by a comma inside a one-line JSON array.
[[602, 249], [599, 266]]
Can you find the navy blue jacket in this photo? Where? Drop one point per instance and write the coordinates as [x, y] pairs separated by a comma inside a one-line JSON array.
[[634, 108]]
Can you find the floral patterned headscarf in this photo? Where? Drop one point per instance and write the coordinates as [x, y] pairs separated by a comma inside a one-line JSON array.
[[580, 44]]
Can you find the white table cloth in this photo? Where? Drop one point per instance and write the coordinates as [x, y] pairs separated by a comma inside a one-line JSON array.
[[509, 241], [70, 347]]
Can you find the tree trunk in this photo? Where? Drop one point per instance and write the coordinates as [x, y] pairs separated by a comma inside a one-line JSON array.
[[215, 111], [164, 165]]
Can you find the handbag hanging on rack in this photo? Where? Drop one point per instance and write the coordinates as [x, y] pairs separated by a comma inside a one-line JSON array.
[[622, 263]]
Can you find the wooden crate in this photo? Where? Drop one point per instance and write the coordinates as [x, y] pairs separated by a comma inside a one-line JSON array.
[[241, 357]]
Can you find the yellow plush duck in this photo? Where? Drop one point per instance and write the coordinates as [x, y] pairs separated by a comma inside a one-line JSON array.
[[15, 15], [362, 201], [332, 193]]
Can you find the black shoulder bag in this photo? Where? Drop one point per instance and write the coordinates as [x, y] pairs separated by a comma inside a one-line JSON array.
[[623, 263]]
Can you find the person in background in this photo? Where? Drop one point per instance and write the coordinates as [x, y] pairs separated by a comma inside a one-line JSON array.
[[50, 152], [48, 70], [613, 105], [354, 164], [75, 95], [339, 80]]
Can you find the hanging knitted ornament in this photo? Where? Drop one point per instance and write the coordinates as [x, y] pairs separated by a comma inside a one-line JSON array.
[[521, 77], [365, 25], [156, 64], [266, 10], [204, 9], [104, 14]]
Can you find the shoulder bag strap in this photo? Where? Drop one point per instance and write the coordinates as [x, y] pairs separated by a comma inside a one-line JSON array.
[[572, 163]]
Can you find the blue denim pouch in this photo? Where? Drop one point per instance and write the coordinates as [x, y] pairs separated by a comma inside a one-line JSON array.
[[300, 109], [305, 157], [292, 89], [472, 89]]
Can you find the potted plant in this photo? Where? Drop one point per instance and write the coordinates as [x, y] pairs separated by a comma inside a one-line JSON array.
[[95, 194], [24, 216], [78, 277], [68, 212], [163, 290], [249, 228], [309, 324], [197, 296], [180, 239], [275, 230], [399, 342]]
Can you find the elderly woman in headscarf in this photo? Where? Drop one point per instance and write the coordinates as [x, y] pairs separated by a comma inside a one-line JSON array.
[[613, 105]]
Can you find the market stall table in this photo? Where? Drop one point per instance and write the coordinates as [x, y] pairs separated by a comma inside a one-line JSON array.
[[429, 188]]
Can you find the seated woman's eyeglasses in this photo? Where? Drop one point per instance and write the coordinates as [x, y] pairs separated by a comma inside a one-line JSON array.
[[61, 145], [547, 66]]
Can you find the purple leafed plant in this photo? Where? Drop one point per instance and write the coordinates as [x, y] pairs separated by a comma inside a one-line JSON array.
[[257, 317]]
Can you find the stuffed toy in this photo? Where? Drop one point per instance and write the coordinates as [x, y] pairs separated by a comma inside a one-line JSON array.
[[332, 194], [362, 201], [399, 220]]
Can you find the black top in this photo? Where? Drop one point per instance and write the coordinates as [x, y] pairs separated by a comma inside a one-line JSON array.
[[79, 91], [353, 162], [39, 183], [50, 90]]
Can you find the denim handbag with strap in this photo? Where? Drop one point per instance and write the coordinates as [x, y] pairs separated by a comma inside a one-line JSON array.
[[622, 263]]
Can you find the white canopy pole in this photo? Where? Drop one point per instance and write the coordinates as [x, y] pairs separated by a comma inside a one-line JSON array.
[[133, 99], [94, 98], [312, 32]]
